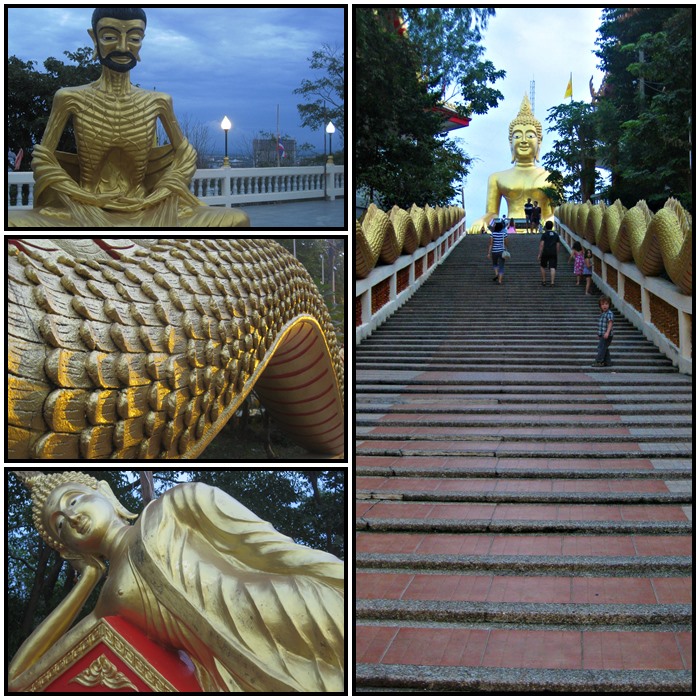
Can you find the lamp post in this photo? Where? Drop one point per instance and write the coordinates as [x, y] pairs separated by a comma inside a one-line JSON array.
[[330, 130], [226, 125]]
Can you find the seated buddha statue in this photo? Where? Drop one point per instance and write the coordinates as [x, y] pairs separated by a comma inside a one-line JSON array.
[[200, 574], [525, 179], [119, 177]]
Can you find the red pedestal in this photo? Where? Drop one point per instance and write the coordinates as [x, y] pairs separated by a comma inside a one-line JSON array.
[[112, 656]]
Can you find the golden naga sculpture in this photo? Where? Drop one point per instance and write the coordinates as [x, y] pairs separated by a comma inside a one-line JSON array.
[[197, 572], [144, 348], [525, 179], [382, 237], [655, 242], [119, 177]]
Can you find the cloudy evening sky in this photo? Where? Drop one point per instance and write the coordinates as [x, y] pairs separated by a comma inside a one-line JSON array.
[[541, 43], [214, 61]]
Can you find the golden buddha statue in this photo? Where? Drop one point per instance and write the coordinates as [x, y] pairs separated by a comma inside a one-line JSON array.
[[118, 178], [525, 179], [200, 573]]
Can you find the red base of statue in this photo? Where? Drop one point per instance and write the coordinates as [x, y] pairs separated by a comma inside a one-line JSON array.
[[111, 655]]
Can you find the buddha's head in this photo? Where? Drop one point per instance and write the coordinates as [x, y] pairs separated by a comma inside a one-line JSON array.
[[117, 33], [525, 135], [74, 513]]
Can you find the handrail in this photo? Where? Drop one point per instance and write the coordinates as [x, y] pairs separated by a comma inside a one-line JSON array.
[[385, 288], [228, 186], [656, 306]]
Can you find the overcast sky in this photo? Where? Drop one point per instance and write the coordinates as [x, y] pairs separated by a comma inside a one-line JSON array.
[[541, 43], [214, 61]]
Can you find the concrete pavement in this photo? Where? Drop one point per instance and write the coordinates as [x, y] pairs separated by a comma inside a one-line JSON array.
[[304, 214]]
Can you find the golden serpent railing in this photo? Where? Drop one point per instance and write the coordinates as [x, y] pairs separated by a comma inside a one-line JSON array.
[[634, 251], [394, 254]]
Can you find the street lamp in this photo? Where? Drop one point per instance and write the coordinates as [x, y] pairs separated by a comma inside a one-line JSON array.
[[330, 130], [226, 125]]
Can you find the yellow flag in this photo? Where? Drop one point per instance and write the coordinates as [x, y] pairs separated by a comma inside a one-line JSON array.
[[569, 87]]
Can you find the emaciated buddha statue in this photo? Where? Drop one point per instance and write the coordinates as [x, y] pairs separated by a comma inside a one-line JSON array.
[[119, 177], [200, 573], [525, 179]]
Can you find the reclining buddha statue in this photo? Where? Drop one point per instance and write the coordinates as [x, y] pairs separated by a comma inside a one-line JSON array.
[[119, 177], [197, 573]]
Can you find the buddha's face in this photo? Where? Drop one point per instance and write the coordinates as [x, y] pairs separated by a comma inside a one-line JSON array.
[[79, 517], [524, 143], [118, 42]]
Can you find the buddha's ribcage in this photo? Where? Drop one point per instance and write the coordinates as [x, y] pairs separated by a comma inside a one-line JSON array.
[[126, 127], [147, 356]]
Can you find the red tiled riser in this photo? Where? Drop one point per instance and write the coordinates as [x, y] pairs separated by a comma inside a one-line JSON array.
[[552, 545], [523, 589], [478, 511], [519, 648], [485, 462], [381, 484]]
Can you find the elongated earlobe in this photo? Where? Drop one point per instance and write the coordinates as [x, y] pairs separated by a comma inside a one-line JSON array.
[[94, 41]]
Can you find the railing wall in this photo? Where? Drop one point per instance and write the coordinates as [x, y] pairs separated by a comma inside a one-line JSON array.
[[654, 305], [229, 186], [388, 287]]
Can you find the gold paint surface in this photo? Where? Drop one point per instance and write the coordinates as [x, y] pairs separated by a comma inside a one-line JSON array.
[[102, 368], [656, 243], [525, 179], [119, 177], [199, 572]]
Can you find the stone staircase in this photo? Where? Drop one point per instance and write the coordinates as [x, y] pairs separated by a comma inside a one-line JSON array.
[[523, 518]]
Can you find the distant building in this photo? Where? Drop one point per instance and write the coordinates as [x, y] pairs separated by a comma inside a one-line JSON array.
[[265, 152]]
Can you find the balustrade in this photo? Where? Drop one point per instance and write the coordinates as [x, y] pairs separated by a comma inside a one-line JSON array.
[[387, 287], [229, 186], [654, 305]]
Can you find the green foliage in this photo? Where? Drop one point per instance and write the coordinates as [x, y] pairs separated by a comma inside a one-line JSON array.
[[30, 94], [573, 155], [400, 156], [326, 94], [306, 505], [448, 38], [645, 114], [555, 191], [309, 252]]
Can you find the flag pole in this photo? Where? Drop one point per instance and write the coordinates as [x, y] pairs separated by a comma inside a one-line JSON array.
[[277, 145]]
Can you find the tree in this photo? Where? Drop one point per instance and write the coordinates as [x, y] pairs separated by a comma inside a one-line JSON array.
[[309, 507], [196, 132], [400, 155], [646, 109], [328, 275], [573, 155], [30, 95], [327, 93], [448, 43]]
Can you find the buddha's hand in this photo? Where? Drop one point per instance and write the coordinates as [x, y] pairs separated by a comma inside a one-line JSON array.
[[94, 200], [156, 197], [93, 567], [125, 204], [480, 224]]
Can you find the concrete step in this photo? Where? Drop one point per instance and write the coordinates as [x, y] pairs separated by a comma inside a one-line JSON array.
[[523, 520], [387, 678]]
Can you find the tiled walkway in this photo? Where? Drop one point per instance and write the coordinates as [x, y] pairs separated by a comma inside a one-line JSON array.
[[522, 518]]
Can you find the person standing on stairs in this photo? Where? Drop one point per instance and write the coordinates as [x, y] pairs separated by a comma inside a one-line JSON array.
[[605, 333], [577, 256], [498, 245], [548, 253], [588, 268]]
